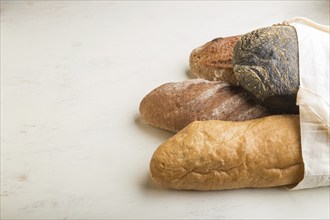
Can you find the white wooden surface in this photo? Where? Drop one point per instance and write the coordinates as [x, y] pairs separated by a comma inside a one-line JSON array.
[[72, 76]]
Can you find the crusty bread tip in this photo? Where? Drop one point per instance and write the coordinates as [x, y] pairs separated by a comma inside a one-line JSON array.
[[213, 60]]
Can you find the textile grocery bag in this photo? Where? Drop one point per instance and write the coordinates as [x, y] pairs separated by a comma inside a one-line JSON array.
[[313, 100]]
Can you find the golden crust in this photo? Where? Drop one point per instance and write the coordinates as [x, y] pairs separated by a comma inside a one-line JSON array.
[[214, 155]]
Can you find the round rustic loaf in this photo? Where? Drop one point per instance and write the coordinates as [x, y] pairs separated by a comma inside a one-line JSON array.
[[266, 65]]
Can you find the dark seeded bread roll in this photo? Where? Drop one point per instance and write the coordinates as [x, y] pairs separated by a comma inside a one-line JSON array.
[[173, 106], [213, 60], [215, 155], [266, 65]]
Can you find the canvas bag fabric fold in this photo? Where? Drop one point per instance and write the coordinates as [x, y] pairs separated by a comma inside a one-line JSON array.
[[313, 101]]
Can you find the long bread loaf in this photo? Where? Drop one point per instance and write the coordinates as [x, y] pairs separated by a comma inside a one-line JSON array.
[[213, 60], [173, 106], [214, 155]]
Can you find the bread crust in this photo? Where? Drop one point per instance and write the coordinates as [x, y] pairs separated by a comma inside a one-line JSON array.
[[213, 60], [215, 155], [266, 65], [173, 106]]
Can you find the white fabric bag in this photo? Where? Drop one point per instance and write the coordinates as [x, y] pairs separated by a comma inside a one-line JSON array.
[[313, 101]]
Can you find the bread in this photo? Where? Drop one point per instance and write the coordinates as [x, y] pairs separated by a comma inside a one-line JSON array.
[[266, 65], [213, 60], [173, 106], [215, 155]]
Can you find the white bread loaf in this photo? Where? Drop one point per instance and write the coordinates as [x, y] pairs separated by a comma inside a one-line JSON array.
[[214, 155]]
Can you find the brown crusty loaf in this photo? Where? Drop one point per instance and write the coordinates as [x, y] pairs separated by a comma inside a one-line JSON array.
[[213, 60], [173, 106], [214, 155]]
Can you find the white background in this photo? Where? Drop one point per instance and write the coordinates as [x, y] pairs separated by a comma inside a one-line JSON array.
[[72, 76]]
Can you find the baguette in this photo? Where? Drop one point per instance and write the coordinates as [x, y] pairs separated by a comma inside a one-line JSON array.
[[215, 155], [213, 60], [173, 106]]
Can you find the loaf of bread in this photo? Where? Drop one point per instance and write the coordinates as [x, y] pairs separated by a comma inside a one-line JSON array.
[[213, 60], [266, 65], [215, 155], [173, 106]]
